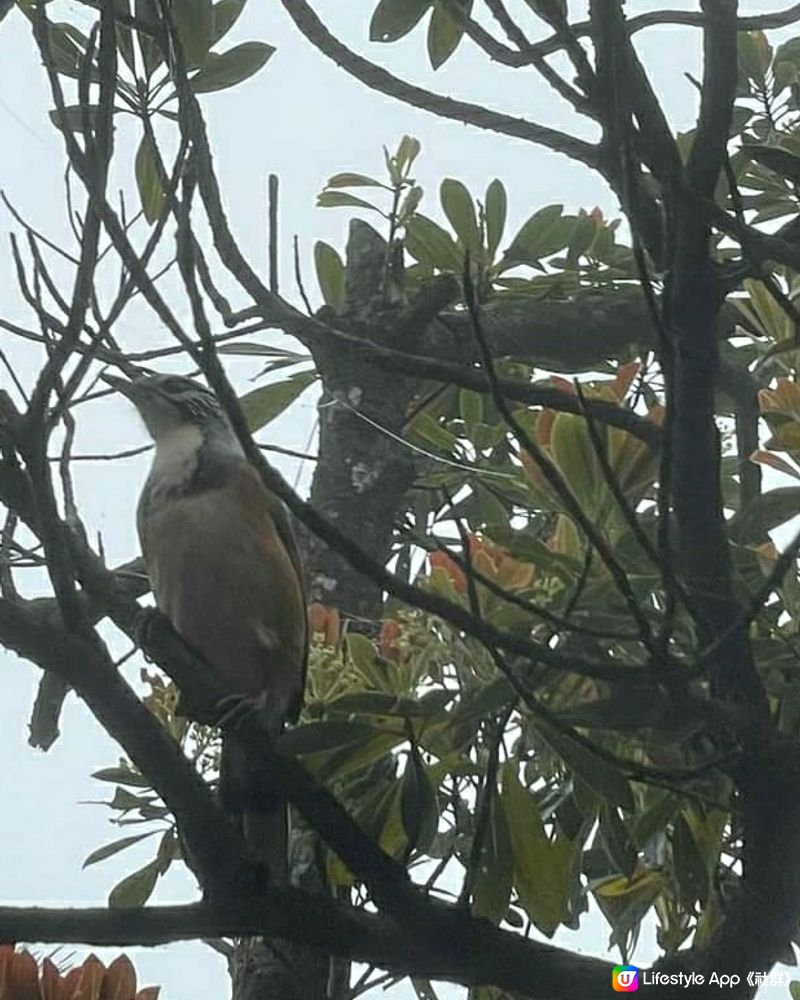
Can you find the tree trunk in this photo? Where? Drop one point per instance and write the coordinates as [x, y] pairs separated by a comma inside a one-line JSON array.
[[361, 483]]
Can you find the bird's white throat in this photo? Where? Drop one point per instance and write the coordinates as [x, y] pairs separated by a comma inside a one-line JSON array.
[[176, 456]]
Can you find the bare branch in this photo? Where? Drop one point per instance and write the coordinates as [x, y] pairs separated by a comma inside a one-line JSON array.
[[486, 954], [379, 79], [655, 18]]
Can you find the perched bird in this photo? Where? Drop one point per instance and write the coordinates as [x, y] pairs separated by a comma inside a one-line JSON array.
[[224, 568]]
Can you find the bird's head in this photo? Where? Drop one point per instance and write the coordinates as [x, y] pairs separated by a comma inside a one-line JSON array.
[[167, 403]]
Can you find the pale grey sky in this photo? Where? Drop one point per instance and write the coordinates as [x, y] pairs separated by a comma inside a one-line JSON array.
[[304, 119]]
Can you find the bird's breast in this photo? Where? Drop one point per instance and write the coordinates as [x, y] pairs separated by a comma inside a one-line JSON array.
[[221, 574]]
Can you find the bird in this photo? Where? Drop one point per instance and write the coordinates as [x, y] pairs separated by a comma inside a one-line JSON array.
[[224, 568]]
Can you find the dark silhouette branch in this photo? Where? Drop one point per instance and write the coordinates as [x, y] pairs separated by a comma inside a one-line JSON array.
[[377, 78], [484, 954], [661, 18]]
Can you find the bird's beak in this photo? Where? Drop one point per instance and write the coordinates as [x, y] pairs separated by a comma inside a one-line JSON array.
[[123, 385]]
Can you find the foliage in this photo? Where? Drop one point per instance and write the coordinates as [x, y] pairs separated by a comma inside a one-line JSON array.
[[571, 252], [529, 787], [144, 85], [402, 729]]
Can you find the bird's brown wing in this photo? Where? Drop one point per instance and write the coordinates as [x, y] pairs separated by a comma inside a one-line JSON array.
[[282, 521], [223, 576]]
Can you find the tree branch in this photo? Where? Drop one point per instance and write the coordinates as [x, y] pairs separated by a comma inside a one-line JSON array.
[[485, 954], [654, 18], [377, 78]]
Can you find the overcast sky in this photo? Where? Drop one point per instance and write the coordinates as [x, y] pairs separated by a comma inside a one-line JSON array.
[[304, 119]]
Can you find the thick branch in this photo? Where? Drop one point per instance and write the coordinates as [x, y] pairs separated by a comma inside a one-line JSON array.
[[691, 19], [463, 950], [31, 630]]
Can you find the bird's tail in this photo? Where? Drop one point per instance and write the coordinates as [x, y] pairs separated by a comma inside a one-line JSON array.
[[245, 792]]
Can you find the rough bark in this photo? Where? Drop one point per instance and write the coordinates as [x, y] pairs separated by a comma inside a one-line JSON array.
[[361, 483], [363, 473]]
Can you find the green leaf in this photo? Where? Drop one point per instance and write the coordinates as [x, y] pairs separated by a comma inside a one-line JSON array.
[[383, 703], [426, 427], [229, 68], [67, 46], [495, 213], [194, 21], [360, 650], [427, 242], [124, 35], [542, 868], [764, 513], [72, 117], [655, 819], [624, 710], [494, 878], [597, 772], [251, 349], [351, 180], [794, 990], [470, 407], [786, 66], [107, 850], [122, 776], [394, 18], [148, 180], [574, 455], [545, 232], [617, 840], [581, 238], [476, 705], [407, 151], [409, 205], [147, 12], [169, 850], [263, 405], [134, 890], [460, 211], [124, 801], [341, 199], [690, 869], [354, 757], [330, 274], [328, 735], [444, 33], [779, 161], [624, 902], [226, 14], [418, 808], [754, 55], [492, 511]]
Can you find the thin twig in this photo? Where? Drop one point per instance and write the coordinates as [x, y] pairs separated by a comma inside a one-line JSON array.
[[298, 276], [554, 478], [379, 79], [273, 233]]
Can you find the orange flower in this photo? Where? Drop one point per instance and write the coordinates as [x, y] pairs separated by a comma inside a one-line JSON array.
[[784, 398], [20, 979], [442, 561], [387, 640], [496, 563], [325, 621]]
